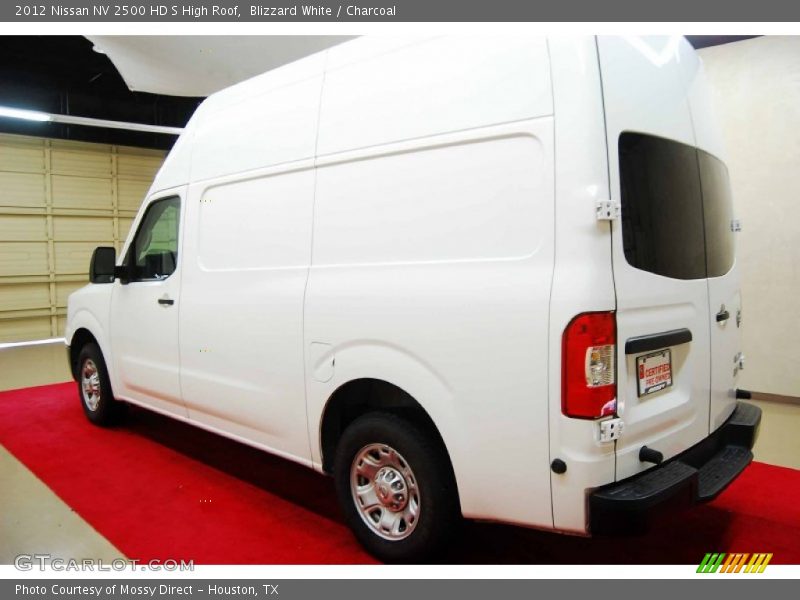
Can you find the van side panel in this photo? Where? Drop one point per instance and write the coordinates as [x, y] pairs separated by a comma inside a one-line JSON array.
[[272, 128], [248, 248], [242, 368], [433, 251], [431, 270], [378, 92], [266, 121], [582, 276], [463, 201]]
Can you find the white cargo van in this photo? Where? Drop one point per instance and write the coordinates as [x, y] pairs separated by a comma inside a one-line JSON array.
[[489, 277]]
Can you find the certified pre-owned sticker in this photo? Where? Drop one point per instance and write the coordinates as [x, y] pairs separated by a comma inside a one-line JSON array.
[[654, 371]]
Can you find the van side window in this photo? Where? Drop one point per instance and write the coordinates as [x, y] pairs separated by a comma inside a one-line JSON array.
[[154, 250], [676, 208]]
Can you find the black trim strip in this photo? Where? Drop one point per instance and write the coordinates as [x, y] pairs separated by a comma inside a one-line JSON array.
[[655, 341]]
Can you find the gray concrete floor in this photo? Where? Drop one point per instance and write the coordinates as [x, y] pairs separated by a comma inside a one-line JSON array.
[[28, 366], [34, 520]]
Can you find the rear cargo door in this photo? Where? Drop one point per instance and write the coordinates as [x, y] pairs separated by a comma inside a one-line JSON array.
[[658, 250], [724, 299], [725, 304]]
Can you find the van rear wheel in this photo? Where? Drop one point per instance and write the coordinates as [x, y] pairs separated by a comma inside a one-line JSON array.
[[395, 487], [94, 387]]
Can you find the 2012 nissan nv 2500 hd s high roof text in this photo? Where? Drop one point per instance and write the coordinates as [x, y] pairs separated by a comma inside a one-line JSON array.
[[481, 277]]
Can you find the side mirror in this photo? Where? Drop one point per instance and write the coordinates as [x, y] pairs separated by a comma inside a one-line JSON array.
[[101, 268]]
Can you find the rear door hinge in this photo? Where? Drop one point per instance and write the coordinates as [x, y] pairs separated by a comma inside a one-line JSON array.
[[607, 210], [610, 429]]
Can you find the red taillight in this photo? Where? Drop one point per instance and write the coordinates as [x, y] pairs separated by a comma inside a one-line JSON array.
[[588, 366]]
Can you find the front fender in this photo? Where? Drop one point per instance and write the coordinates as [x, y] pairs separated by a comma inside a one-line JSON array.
[[89, 308]]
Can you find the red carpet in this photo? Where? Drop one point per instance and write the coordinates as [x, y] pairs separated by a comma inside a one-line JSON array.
[[157, 488]]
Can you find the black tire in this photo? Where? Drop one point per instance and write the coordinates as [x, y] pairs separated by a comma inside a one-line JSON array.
[[439, 512], [107, 410]]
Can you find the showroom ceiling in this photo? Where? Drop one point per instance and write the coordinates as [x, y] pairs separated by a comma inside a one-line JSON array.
[[201, 65], [63, 75], [170, 75]]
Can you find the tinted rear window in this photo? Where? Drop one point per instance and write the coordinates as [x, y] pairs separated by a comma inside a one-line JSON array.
[[718, 214], [676, 209]]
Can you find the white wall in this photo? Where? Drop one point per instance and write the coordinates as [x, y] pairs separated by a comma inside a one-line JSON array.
[[755, 87]]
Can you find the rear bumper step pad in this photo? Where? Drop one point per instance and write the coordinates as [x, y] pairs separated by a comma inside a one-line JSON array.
[[699, 474], [717, 473]]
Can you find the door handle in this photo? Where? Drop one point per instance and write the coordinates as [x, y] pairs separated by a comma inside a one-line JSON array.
[[723, 315], [166, 301], [656, 341]]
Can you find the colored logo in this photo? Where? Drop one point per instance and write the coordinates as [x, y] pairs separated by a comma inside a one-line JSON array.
[[720, 562]]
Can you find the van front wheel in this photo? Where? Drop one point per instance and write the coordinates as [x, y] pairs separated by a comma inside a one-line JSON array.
[[94, 387], [396, 488]]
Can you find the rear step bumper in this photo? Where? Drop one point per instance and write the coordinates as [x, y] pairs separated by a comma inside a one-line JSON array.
[[696, 475]]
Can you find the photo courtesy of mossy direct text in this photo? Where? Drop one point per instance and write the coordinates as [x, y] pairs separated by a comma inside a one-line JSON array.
[[152, 591]]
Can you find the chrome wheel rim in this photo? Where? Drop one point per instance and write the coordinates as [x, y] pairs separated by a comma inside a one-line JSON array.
[[385, 491], [90, 384]]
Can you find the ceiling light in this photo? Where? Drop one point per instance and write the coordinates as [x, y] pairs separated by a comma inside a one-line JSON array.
[[28, 115], [35, 115]]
